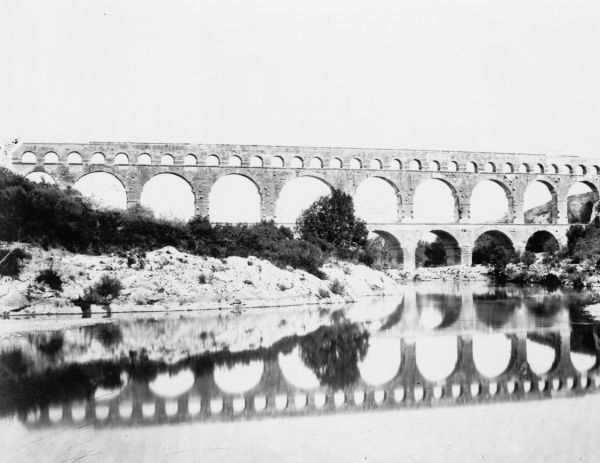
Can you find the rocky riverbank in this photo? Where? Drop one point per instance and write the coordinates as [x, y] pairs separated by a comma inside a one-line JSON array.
[[169, 280]]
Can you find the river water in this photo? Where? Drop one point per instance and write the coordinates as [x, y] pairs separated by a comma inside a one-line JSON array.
[[441, 350]]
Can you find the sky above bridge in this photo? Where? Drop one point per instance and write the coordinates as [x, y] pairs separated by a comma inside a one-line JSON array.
[[504, 75]]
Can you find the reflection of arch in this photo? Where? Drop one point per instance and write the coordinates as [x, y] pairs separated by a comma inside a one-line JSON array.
[[495, 308], [480, 202], [40, 177], [144, 159], [438, 311], [542, 241], [178, 204], [121, 159], [297, 194], [541, 352], [436, 356], [240, 377], [544, 213], [213, 160], [169, 386], [28, 158], [105, 188], [190, 160], [443, 210], [393, 245], [51, 158], [584, 347], [234, 198], [377, 200], [382, 361], [491, 354], [296, 372]]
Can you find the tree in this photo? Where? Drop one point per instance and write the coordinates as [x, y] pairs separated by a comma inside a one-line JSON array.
[[331, 224], [528, 258]]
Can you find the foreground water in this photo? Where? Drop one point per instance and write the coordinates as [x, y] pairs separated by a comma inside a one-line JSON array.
[[441, 344]]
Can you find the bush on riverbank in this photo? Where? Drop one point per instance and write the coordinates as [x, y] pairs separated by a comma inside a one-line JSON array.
[[11, 261]]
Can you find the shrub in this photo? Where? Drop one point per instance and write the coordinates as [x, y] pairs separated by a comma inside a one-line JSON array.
[[337, 287], [323, 293], [50, 278], [550, 280], [11, 261], [528, 258], [101, 293]]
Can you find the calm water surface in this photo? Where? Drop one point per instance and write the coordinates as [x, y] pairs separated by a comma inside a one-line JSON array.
[[440, 345]]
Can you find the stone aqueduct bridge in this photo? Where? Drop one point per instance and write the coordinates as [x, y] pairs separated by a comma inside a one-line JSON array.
[[271, 167]]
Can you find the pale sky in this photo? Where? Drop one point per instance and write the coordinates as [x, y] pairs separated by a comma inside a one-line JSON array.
[[494, 76]]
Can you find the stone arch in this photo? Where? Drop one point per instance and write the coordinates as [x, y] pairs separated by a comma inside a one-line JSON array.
[[451, 246], [213, 161], [179, 204], [297, 194], [28, 157], [452, 166], [524, 168], [256, 161], [51, 158], [436, 356], [508, 168], [104, 188], [144, 159], [415, 164], [235, 161], [40, 177], [377, 200], [395, 247], [316, 163], [234, 198], [296, 162], [98, 159], [239, 377], [491, 204], [395, 164], [542, 241], [355, 163], [567, 169], [581, 170], [376, 164], [74, 158], [434, 203], [541, 199], [167, 160], [538, 169], [471, 167], [490, 168], [277, 162], [581, 197], [336, 163], [555, 169], [121, 159], [596, 170], [486, 238], [434, 166], [492, 354], [190, 160]]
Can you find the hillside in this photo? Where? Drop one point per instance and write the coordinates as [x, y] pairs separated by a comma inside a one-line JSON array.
[[577, 205]]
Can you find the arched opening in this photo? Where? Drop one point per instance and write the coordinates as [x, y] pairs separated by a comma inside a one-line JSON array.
[[438, 310], [172, 385], [234, 199], [386, 248], [376, 164], [213, 161], [541, 352], [144, 159], [567, 169], [490, 203], [235, 161], [596, 170], [580, 202], [437, 248], [98, 158], [179, 204], [74, 158], [297, 195], [395, 164], [51, 158], [584, 347], [335, 163], [296, 163], [316, 163], [167, 160], [554, 169], [490, 168], [121, 159], [190, 160], [376, 201], [491, 246], [296, 372], [41, 177], [28, 158], [104, 189], [240, 377], [491, 354], [414, 164], [435, 202], [524, 168], [453, 166], [508, 168], [382, 361], [256, 161], [581, 170], [277, 162], [436, 356], [434, 166], [538, 169], [472, 167], [355, 163], [540, 203], [542, 241]]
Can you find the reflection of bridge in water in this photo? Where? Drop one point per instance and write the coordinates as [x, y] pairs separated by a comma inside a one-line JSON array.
[[456, 374]]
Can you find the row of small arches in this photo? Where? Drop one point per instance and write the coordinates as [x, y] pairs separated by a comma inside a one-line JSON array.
[[315, 163]]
